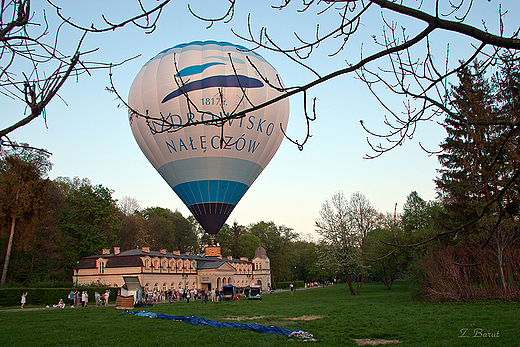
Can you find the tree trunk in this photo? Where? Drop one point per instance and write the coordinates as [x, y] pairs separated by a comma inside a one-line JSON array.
[[359, 285], [503, 283], [384, 279], [8, 252], [9, 246], [349, 282]]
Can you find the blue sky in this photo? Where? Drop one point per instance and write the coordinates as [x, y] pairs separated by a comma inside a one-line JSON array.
[[89, 135]]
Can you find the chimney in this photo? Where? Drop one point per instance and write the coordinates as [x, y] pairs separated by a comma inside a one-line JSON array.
[[106, 251], [117, 250], [146, 249], [229, 257], [176, 252], [244, 259], [162, 251]]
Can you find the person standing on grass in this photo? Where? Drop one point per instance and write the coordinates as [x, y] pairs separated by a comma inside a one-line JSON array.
[[23, 299], [71, 299]]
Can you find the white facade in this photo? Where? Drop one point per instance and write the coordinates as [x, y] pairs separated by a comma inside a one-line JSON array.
[[163, 270]]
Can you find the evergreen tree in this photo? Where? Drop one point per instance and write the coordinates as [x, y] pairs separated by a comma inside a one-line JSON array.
[[480, 153]]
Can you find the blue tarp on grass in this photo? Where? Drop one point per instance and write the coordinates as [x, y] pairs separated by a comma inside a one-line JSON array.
[[216, 324]]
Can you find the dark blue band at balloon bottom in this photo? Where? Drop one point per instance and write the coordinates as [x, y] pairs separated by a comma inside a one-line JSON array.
[[203, 191], [211, 215]]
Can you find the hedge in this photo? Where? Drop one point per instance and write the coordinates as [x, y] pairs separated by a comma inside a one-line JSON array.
[[49, 296], [285, 285]]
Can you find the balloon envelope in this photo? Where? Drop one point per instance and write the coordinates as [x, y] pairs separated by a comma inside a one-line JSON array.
[[218, 79]]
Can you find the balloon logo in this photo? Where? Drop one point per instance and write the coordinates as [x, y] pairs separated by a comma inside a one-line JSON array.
[[201, 81]]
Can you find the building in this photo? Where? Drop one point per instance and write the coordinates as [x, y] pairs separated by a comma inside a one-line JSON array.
[[162, 270]]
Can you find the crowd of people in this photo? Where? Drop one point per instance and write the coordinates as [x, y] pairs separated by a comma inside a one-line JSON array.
[[171, 295], [80, 299]]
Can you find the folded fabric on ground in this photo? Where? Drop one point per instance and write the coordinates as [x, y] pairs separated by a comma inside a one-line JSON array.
[[216, 324]]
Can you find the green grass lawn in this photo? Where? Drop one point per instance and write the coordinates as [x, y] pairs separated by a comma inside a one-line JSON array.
[[339, 320]]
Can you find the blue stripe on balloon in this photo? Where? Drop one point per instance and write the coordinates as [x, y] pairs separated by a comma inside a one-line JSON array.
[[222, 191], [195, 69], [216, 81], [206, 45]]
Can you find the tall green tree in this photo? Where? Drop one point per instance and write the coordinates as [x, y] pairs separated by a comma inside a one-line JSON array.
[[480, 157], [479, 178], [304, 264], [168, 229], [23, 183], [237, 230], [89, 220], [278, 243], [344, 225], [339, 241], [414, 216], [247, 245], [468, 175]]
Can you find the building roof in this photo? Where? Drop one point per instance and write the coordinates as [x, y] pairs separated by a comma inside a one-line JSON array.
[[132, 258], [209, 264], [260, 253]]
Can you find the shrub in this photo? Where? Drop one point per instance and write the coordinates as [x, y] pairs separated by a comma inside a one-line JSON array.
[[49, 296], [468, 272]]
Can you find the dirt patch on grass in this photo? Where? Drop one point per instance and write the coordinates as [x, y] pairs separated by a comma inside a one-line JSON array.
[[375, 342], [246, 318], [264, 317], [305, 318]]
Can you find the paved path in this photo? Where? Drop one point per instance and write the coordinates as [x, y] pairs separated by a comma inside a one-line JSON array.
[[45, 308], [68, 307]]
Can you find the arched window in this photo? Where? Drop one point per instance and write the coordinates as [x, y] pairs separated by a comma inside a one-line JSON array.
[[101, 267]]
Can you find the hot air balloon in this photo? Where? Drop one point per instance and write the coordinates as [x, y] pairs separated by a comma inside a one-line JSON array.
[[208, 175]]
